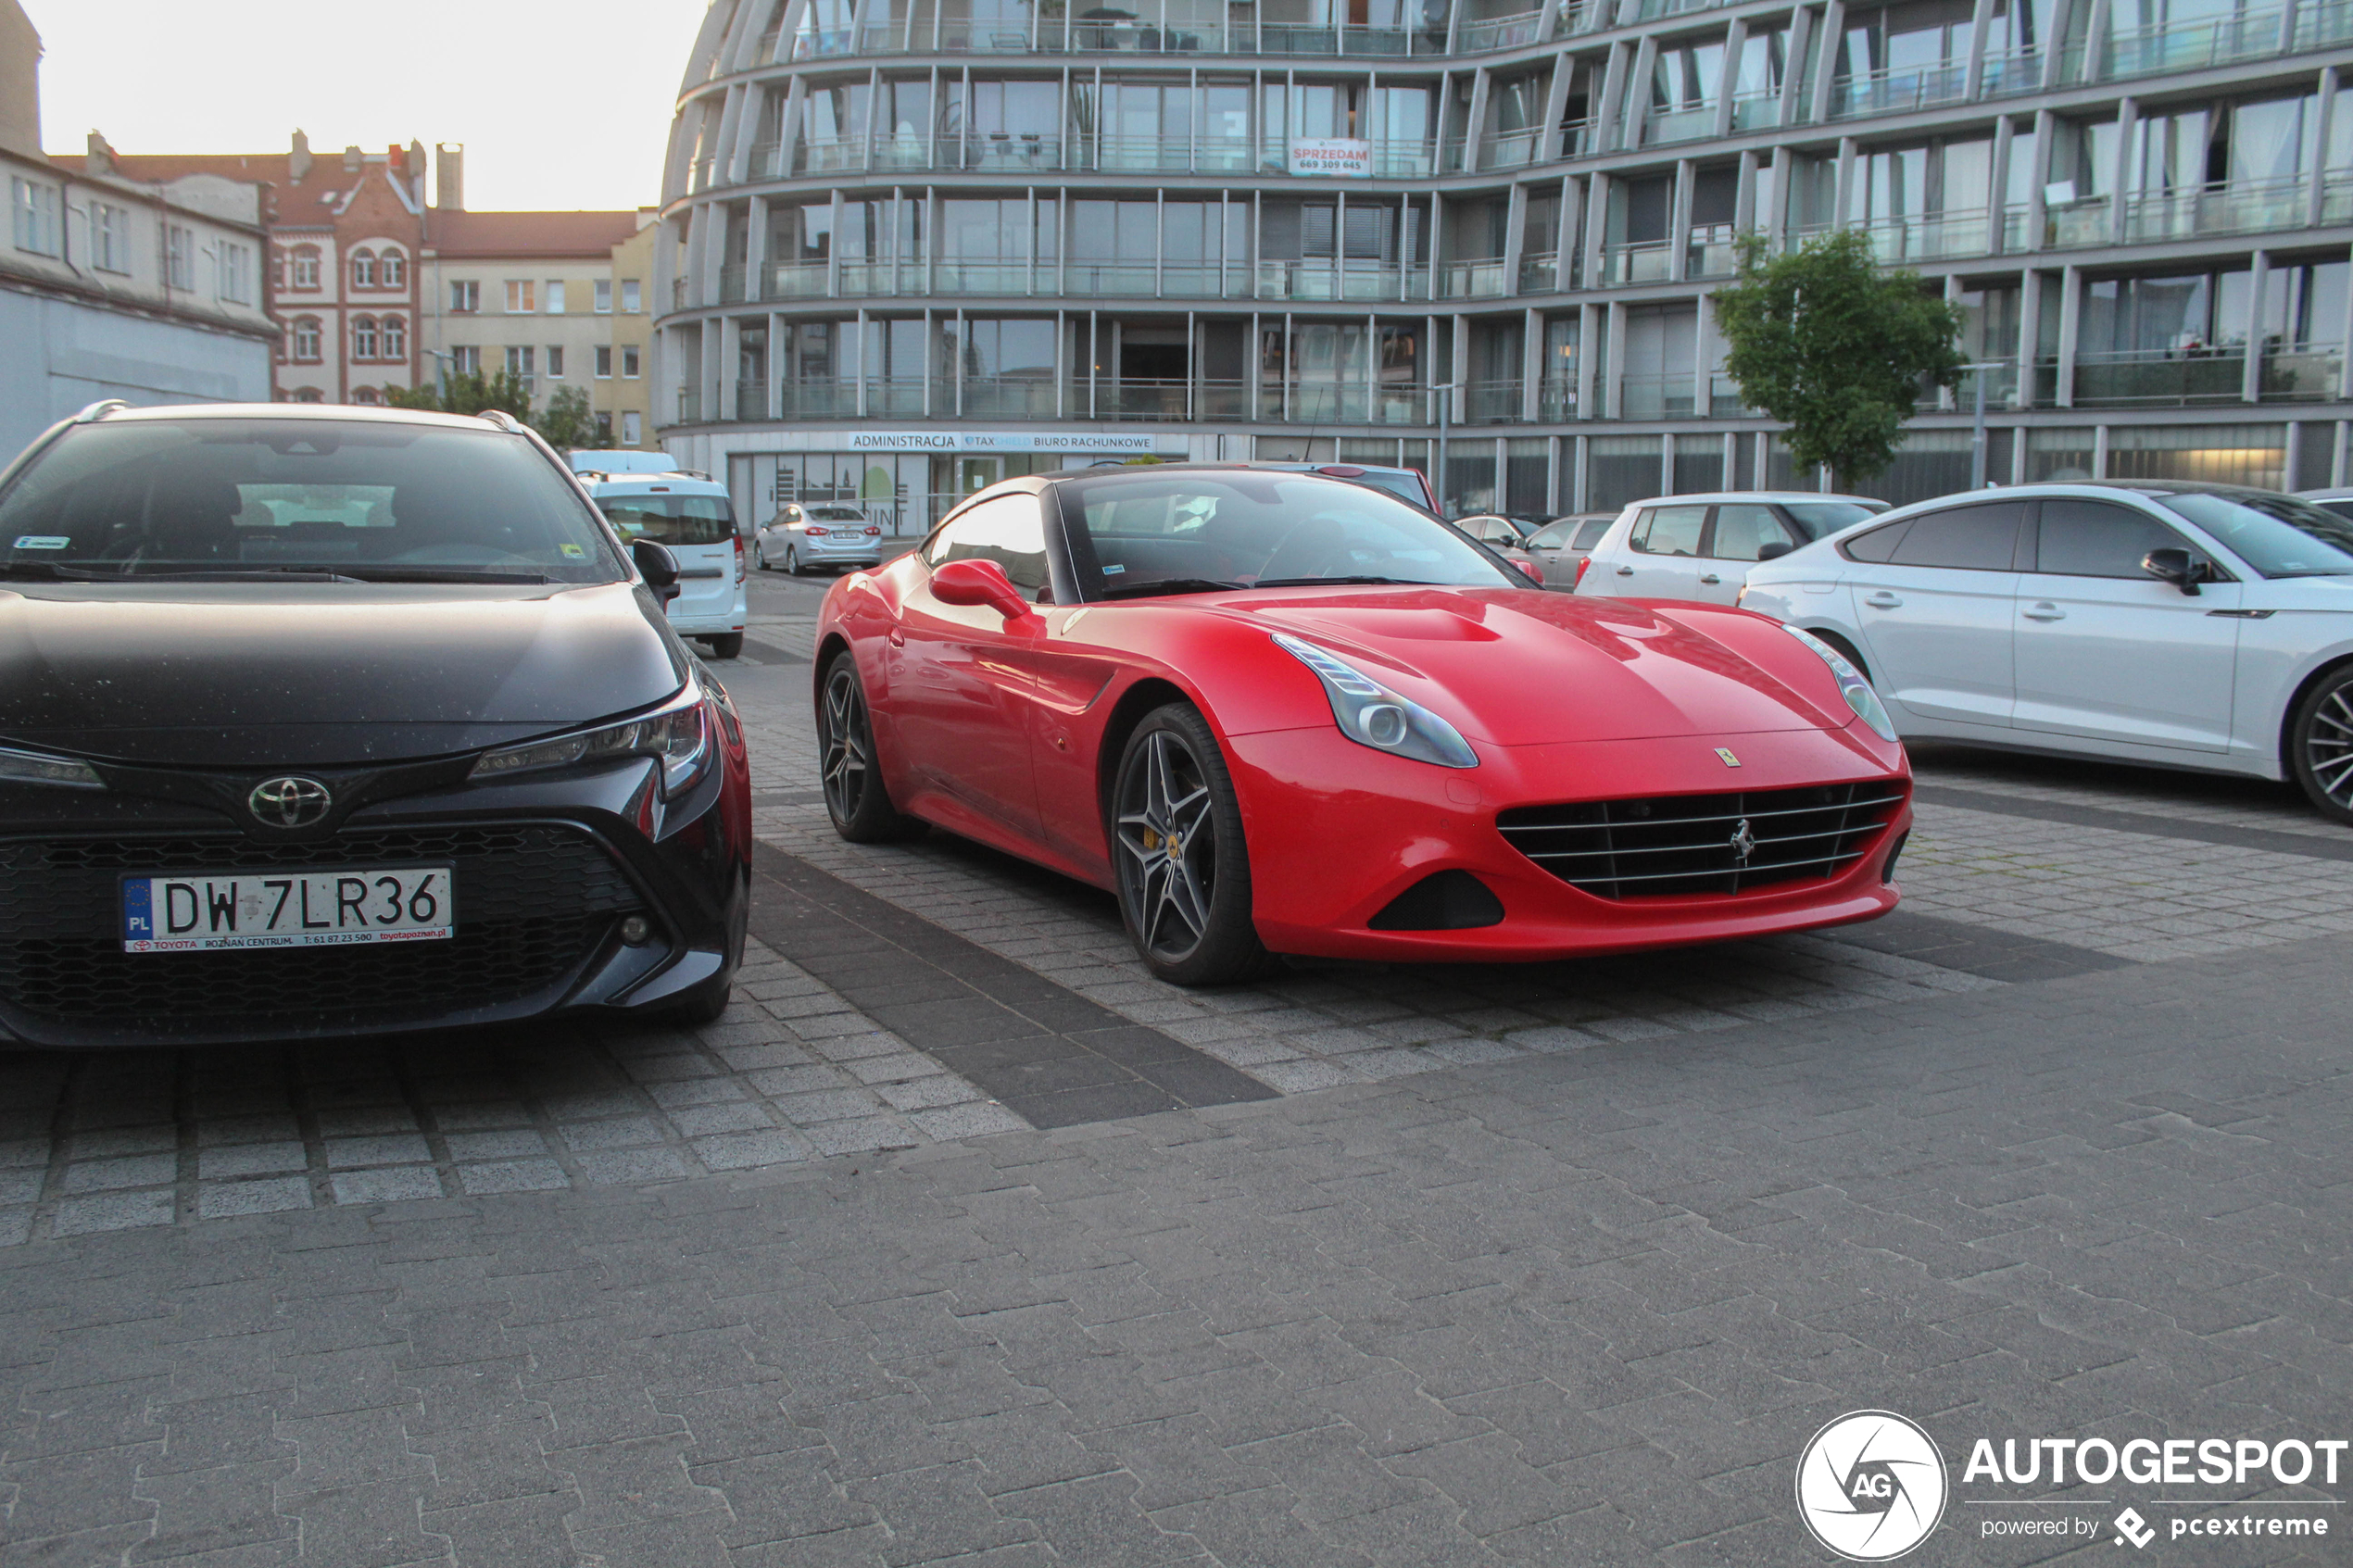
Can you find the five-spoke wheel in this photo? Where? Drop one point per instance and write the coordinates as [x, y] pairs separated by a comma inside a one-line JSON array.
[[1184, 872], [2320, 743], [855, 797]]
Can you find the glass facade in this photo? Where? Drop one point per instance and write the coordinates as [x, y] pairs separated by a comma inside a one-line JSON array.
[[1282, 227]]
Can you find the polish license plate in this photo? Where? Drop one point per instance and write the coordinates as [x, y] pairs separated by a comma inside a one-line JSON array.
[[205, 912]]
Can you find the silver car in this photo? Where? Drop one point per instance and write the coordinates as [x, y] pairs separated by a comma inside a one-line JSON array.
[[803, 536], [1561, 546]]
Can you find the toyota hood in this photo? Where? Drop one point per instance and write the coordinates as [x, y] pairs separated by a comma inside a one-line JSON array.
[[1533, 669], [315, 675]]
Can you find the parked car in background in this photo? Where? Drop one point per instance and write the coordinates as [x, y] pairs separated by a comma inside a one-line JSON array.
[[1406, 484], [694, 518], [2339, 501], [1702, 547], [806, 534], [2190, 625], [1561, 547]]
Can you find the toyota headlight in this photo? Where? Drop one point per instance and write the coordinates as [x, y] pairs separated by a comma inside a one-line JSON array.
[[678, 733], [34, 767], [1370, 714], [1852, 685]]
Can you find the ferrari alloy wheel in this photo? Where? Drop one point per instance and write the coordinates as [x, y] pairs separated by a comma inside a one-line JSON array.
[[1183, 870], [2320, 745], [855, 797]]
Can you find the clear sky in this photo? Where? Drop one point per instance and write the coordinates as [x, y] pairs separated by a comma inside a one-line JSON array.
[[561, 104]]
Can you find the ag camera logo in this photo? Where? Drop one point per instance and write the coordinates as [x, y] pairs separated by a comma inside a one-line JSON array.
[[1871, 1485]]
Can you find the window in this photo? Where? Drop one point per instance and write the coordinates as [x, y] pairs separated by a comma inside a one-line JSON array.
[[180, 257], [364, 396], [465, 361], [109, 237], [363, 337], [306, 266], [1982, 538], [521, 296], [363, 269], [395, 338], [630, 301], [555, 296], [604, 296], [1668, 531], [391, 271], [306, 339], [309, 394], [236, 272], [1741, 530], [629, 364], [465, 297], [555, 361], [630, 430], [2093, 539], [35, 208], [1010, 530], [522, 362], [604, 361]]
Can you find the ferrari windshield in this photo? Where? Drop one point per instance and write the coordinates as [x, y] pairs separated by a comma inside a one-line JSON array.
[[377, 500], [1132, 535]]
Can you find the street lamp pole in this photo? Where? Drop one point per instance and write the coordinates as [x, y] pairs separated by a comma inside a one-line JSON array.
[[1977, 427], [1445, 406]]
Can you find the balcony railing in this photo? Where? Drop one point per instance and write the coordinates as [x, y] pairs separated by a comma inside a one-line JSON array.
[[1930, 238], [1499, 33], [2001, 385], [1646, 261], [1576, 138], [1897, 90], [1724, 401], [1009, 398], [1100, 277], [1756, 111], [2080, 223], [2011, 70], [2249, 208], [2316, 26], [1512, 149], [1494, 402], [1541, 273], [1655, 397], [987, 275], [1472, 280], [831, 154], [1557, 401], [797, 280], [751, 401], [902, 396], [1713, 253], [1688, 124], [2159, 377], [2177, 46], [817, 400], [731, 283], [2306, 372]]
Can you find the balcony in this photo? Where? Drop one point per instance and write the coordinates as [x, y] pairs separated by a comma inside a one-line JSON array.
[[751, 401], [731, 283], [2001, 386], [1651, 10], [1499, 33], [2308, 372], [1713, 252], [1159, 400], [1557, 401], [832, 155], [2077, 224], [797, 280], [2009, 72], [1226, 155], [689, 407], [902, 396], [957, 275], [1724, 399], [2161, 377], [1541, 273], [1008, 397], [1137, 154], [1655, 397], [1645, 261], [817, 400], [876, 280], [1472, 280], [1190, 279], [1103, 279], [1691, 124], [2178, 46], [1929, 238], [1756, 111], [2242, 209], [1493, 402], [1898, 90], [2316, 26], [1512, 149], [1017, 151]]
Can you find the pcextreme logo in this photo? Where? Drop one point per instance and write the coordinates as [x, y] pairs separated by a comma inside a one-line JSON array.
[[1871, 1485]]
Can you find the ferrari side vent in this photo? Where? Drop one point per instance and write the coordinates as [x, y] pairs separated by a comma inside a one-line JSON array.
[[1682, 844], [1443, 901]]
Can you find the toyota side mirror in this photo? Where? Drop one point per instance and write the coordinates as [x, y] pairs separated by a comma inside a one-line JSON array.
[[1774, 549], [657, 566], [2177, 566], [979, 583]]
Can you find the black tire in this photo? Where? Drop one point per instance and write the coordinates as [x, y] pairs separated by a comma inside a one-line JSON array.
[[729, 646], [2319, 744], [706, 1002], [1188, 910], [1847, 650], [792, 562], [759, 557], [855, 797]]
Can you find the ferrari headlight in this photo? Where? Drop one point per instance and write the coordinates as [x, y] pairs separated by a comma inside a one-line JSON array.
[[34, 767], [1850, 684], [679, 732], [1370, 714]]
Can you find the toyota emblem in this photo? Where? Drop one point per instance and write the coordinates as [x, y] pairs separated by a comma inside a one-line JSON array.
[[290, 802]]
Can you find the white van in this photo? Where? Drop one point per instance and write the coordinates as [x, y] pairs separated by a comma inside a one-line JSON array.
[[691, 515]]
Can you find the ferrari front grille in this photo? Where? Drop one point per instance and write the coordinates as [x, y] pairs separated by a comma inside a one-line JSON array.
[[1680, 844]]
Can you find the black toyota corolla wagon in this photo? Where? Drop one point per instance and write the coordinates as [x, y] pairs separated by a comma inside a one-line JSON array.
[[325, 721]]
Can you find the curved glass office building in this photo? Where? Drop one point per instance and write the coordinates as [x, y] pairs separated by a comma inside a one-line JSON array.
[[910, 246]]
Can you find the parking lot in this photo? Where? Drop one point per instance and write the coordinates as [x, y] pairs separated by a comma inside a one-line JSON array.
[[960, 1239]]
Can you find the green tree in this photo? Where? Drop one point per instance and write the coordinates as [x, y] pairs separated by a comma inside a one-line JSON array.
[[568, 421], [467, 392], [1825, 342]]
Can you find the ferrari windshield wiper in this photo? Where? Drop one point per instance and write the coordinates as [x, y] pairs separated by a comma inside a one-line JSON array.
[[1329, 582], [1171, 585]]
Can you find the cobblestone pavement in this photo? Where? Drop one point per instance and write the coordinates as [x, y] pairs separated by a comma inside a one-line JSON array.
[[1519, 1263]]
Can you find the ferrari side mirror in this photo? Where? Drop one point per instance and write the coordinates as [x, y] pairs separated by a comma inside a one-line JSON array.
[[1529, 569], [979, 583]]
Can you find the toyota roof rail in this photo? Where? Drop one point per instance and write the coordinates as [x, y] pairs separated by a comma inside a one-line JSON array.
[[503, 419], [99, 410]]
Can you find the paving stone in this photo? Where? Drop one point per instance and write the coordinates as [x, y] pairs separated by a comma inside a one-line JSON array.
[[388, 1185], [220, 1201]]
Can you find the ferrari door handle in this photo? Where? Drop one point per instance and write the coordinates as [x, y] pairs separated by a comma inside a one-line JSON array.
[[1883, 600], [896, 638], [2043, 612], [1626, 571], [1711, 578]]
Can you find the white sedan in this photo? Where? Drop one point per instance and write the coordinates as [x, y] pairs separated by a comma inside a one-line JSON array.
[[2189, 625], [1702, 547], [818, 534]]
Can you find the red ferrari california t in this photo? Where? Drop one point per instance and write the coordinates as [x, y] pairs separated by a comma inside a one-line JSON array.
[[1280, 713]]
